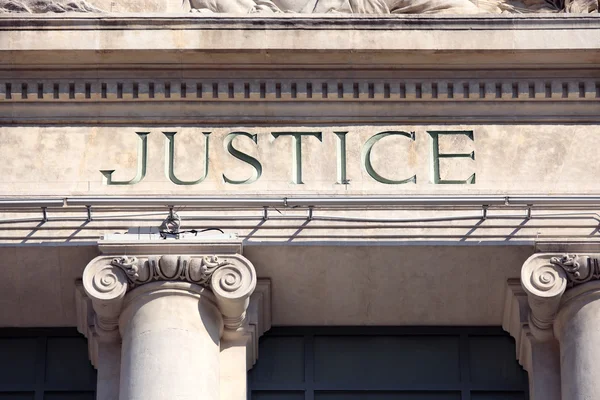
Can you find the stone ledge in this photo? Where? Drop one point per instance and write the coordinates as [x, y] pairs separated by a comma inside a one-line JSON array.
[[290, 33], [168, 21]]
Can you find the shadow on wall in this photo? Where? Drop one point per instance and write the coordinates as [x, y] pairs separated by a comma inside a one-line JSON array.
[[298, 228]]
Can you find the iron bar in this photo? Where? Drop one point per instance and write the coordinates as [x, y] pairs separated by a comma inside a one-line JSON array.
[[333, 201], [31, 203], [134, 201], [363, 221]]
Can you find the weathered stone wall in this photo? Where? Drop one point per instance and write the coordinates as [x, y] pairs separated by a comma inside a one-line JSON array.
[[288, 160]]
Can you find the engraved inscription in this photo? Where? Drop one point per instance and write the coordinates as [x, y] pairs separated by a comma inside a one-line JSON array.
[[238, 144]]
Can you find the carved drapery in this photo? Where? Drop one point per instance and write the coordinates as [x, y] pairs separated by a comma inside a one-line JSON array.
[[394, 6], [331, 6], [46, 6]]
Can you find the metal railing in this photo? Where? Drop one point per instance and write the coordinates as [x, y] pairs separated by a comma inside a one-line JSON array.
[[520, 207], [527, 217]]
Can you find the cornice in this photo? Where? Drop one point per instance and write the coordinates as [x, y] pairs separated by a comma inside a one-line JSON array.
[[189, 21], [184, 42], [182, 69], [293, 34]]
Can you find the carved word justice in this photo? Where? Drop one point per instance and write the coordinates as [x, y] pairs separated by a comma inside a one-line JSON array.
[[296, 138]]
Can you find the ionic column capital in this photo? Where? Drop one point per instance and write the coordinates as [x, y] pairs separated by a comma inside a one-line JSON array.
[[230, 277], [545, 278]]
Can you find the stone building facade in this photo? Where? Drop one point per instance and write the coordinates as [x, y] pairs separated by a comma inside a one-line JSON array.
[[322, 201]]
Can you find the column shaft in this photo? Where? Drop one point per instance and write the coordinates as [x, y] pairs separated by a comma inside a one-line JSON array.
[[578, 330], [544, 374], [170, 348], [109, 367]]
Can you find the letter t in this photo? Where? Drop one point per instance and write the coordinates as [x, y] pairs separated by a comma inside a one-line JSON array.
[[297, 151]]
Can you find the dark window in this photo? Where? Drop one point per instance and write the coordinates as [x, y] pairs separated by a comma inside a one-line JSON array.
[[387, 363], [45, 364]]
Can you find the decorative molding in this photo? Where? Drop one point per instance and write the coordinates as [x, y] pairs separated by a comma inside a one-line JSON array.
[[299, 90]]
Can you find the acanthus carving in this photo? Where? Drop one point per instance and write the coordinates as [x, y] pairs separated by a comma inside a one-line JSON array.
[[196, 270], [230, 278], [579, 269]]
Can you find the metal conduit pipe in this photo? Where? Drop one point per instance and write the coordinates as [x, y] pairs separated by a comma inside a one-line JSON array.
[[361, 222], [246, 202], [290, 202], [347, 201], [555, 200], [32, 203], [176, 201], [396, 201]]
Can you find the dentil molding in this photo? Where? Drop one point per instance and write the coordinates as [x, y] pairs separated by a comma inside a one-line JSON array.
[[292, 100], [82, 90]]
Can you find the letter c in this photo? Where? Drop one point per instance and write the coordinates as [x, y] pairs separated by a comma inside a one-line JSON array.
[[366, 157]]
